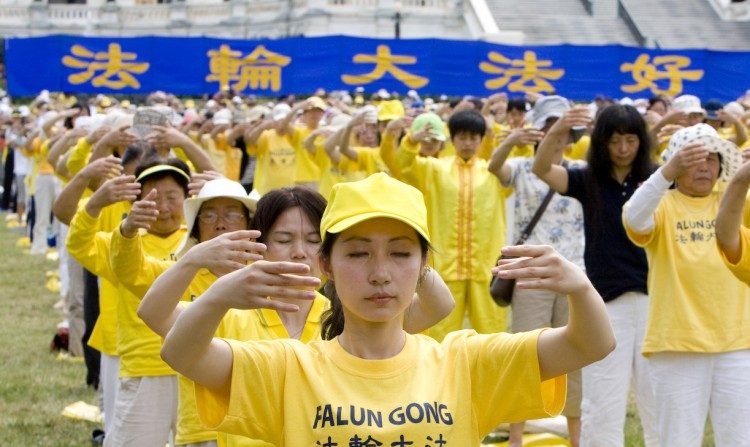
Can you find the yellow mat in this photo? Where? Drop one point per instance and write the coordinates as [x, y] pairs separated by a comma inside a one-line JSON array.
[[81, 411], [536, 440]]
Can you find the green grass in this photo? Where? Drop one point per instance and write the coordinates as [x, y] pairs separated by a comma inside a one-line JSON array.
[[34, 386]]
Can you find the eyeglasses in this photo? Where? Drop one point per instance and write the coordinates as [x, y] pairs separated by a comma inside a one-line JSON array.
[[210, 217]]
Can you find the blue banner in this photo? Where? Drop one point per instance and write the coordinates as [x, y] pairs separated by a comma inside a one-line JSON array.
[[193, 66]]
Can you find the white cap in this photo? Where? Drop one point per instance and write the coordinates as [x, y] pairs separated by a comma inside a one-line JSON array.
[[213, 189], [223, 116], [688, 104], [280, 111]]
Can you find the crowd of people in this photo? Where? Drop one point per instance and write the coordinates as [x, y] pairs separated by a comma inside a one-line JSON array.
[[215, 251]]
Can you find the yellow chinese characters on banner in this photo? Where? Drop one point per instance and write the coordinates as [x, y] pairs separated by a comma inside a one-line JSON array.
[[114, 67], [669, 67], [259, 70], [531, 73], [385, 63]]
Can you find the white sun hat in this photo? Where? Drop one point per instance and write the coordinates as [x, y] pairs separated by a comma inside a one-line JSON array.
[[731, 156], [213, 189]]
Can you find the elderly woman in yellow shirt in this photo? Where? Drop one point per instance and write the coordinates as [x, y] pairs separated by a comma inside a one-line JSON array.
[[146, 397]]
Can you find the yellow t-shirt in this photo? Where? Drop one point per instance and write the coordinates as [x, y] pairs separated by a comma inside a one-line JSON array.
[[243, 325], [368, 163], [226, 159], [465, 212], [292, 394], [579, 149], [263, 324], [276, 161], [329, 174], [307, 169], [696, 304]]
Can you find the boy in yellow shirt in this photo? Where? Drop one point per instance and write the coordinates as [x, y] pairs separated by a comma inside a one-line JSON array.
[[466, 215]]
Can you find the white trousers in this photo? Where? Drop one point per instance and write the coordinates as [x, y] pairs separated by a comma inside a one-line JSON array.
[[145, 412], [688, 384], [606, 383], [108, 381], [44, 196]]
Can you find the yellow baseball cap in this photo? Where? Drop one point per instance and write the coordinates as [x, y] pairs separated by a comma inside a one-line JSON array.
[[315, 102], [390, 110], [379, 195]]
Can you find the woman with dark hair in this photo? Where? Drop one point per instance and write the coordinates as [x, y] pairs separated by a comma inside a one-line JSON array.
[[371, 383], [618, 161], [285, 228]]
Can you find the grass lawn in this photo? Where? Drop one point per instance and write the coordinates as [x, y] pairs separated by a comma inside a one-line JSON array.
[[34, 386]]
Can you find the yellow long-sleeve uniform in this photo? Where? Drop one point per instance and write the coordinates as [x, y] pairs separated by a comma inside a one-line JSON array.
[[139, 270], [92, 256], [79, 156], [137, 345], [466, 218]]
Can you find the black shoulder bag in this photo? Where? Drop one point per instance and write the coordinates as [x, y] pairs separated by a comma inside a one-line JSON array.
[[501, 289]]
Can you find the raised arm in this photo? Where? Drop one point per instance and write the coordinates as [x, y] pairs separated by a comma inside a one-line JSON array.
[[674, 119], [286, 125], [252, 135], [552, 146], [112, 139], [331, 147], [588, 336], [729, 218], [63, 145], [190, 347], [739, 128], [432, 302], [309, 143], [389, 144], [638, 212], [85, 243], [221, 255], [497, 165], [170, 137], [66, 203], [345, 137]]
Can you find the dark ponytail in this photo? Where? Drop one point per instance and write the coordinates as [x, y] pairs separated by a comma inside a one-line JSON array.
[[332, 324], [332, 320]]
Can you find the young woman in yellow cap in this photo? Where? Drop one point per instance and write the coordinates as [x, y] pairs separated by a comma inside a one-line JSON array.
[[370, 383], [286, 225]]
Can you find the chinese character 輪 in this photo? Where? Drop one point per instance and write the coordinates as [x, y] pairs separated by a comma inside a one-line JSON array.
[[261, 69]]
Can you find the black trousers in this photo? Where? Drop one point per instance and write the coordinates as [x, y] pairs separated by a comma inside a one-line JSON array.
[[8, 200], [90, 313]]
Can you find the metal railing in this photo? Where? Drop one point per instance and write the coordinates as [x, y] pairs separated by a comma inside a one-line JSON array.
[[589, 6], [642, 39]]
